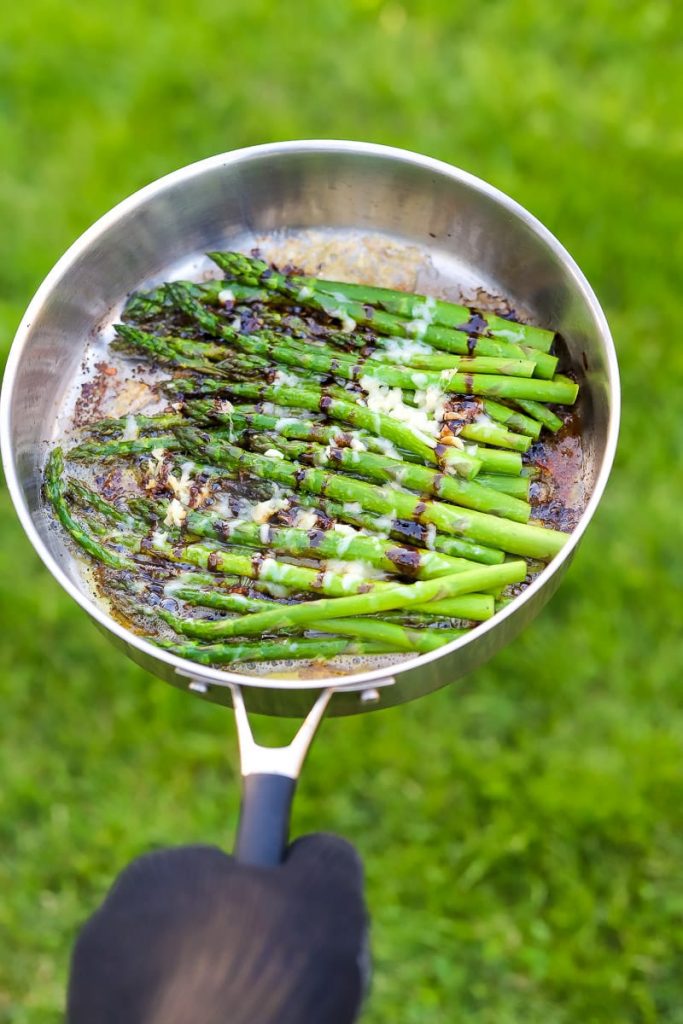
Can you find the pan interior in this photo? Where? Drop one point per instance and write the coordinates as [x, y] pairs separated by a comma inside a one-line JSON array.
[[108, 384]]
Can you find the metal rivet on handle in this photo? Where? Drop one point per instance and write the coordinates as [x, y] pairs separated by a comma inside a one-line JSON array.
[[370, 696], [198, 687]]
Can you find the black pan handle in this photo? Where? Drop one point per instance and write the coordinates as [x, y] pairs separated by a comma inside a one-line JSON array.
[[263, 829], [269, 777]]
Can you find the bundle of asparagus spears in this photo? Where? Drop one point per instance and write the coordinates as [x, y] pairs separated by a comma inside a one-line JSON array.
[[334, 469]]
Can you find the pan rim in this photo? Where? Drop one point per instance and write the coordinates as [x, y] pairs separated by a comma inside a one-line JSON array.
[[216, 677]]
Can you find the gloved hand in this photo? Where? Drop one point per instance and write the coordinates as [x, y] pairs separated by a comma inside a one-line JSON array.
[[189, 936]]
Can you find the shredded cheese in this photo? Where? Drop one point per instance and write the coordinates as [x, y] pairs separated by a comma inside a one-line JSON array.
[[386, 446], [284, 379], [176, 514], [402, 350], [417, 328], [305, 519], [154, 467], [344, 528], [389, 401], [353, 573], [182, 488], [132, 431], [425, 310], [262, 512]]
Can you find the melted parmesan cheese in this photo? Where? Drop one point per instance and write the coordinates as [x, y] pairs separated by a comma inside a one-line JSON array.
[[344, 528], [425, 310], [182, 488], [305, 519], [402, 350], [154, 465], [389, 401], [417, 328], [284, 379], [176, 514], [132, 431], [262, 512], [353, 573], [386, 446]]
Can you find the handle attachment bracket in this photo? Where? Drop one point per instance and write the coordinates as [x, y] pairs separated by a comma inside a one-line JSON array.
[[287, 761]]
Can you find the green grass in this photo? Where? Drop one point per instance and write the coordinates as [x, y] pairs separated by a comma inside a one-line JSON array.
[[522, 830]]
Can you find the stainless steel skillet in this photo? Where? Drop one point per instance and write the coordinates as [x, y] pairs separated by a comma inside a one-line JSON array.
[[449, 232]]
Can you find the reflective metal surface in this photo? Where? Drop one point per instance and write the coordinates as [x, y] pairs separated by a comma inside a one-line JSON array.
[[473, 234]]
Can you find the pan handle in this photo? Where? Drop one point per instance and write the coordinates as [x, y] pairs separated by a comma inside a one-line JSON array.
[[269, 777]]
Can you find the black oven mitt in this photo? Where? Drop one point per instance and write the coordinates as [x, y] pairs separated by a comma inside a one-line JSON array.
[[189, 936]]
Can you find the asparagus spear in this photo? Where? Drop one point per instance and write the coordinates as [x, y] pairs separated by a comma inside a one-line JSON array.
[[396, 638], [402, 350], [91, 500], [467, 493], [436, 311], [393, 635], [475, 607], [407, 531], [517, 486], [103, 451], [495, 461], [398, 596], [514, 420], [435, 361], [115, 427], [559, 389], [493, 433], [163, 350], [207, 357], [251, 564], [250, 418], [517, 538], [55, 489], [288, 353], [256, 272], [145, 305], [266, 344], [428, 356], [318, 400], [540, 412], [287, 649], [268, 570], [323, 544]]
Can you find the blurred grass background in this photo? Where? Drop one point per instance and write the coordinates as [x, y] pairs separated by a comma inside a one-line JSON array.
[[522, 830]]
